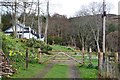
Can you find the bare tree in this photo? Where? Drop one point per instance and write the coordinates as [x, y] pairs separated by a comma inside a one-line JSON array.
[[112, 40], [95, 20], [83, 32]]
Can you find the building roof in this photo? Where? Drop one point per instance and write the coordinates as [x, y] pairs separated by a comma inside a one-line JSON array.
[[20, 25]]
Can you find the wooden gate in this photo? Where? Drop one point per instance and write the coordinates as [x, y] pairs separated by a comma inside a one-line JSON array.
[[63, 53]]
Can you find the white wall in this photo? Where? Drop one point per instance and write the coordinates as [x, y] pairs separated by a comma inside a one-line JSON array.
[[42, 39], [17, 27], [27, 35]]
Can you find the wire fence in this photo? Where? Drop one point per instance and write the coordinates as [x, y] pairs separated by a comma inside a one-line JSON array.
[[110, 66]]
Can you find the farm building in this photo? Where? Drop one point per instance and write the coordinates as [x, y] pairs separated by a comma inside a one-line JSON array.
[[23, 32]]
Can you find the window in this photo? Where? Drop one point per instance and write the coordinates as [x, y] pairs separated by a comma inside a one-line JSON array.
[[19, 35]]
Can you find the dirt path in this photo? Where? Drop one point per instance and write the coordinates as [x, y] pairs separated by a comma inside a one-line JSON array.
[[46, 69], [73, 70]]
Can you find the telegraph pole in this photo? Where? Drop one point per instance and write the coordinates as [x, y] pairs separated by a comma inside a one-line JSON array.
[[47, 22], [104, 20], [104, 23], [119, 39], [104, 51], [39, 27]]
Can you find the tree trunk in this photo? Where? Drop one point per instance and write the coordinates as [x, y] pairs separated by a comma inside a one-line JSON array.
[[83, 55], [98, 47], [73, 42], [58, 31], [15, 20]]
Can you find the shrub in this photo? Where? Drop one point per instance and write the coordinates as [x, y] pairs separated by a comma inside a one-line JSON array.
[[50, 40], [15, 49], [90, 66], [38, 44], [45, 48], [56, 40], [16, 56], [69, 48], [23, 40], [9, 43], [30, 42]]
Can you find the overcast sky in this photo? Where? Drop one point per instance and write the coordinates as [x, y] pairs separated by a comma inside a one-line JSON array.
[[70, 7]]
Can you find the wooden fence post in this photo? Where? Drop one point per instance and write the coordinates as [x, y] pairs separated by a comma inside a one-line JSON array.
[[40, 56], [27, 58], [119, 59], [107, 65], [90, 52], [116, 62], [100, 63]]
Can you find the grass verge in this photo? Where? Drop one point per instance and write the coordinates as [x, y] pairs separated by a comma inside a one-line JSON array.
[[88, 72], [30, 72]]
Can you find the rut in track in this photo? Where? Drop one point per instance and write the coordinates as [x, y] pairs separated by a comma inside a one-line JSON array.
[[73, 70]]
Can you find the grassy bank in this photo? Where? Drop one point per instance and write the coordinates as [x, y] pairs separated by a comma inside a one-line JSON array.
[[33, 70]]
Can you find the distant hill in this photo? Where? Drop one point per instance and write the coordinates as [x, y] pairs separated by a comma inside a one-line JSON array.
[[110, 17]]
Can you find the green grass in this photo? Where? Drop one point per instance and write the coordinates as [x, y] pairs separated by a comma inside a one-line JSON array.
[[88, 72], [58, 71], [61, 48], [78, 57], [94, 61], [33, 70]]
